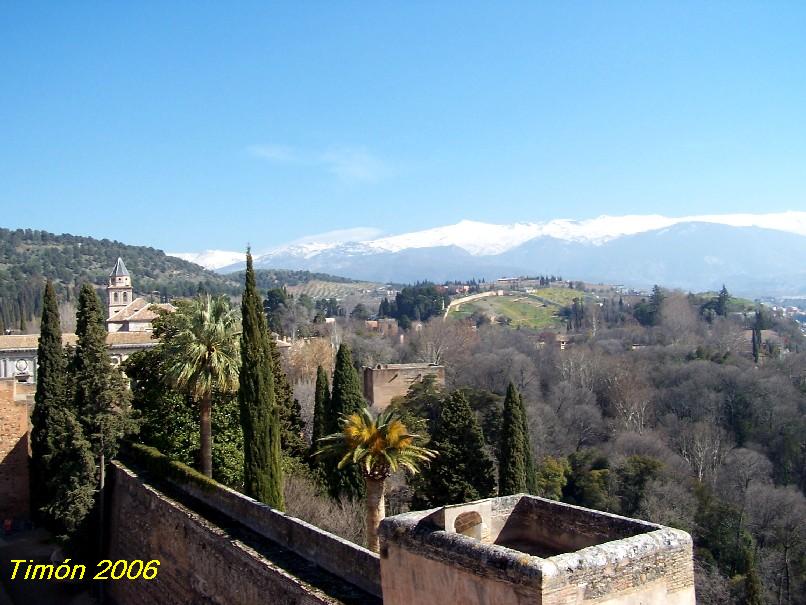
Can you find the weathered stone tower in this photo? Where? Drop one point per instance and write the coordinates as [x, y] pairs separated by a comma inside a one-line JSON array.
[[119, 289]]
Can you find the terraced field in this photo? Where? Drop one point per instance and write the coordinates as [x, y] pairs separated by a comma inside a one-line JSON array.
[[324, 289]]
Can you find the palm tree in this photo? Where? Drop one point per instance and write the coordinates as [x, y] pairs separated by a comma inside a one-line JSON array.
[[202, 357], [379, 446]]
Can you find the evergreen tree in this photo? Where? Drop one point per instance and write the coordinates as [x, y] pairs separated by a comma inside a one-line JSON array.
[[513, 448], [72, 469], [292, 427], [757, 336], [100, 392], [345, 398], [50, 396], [722, 302], [321, 407], [260, 419], [463, 470]]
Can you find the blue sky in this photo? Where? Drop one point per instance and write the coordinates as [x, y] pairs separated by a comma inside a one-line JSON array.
[[192, 125]]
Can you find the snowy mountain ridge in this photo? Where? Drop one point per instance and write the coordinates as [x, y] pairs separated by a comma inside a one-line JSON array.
[[488, 239]]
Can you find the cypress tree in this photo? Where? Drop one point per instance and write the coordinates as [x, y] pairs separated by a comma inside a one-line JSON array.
[[512, 454], [529, 463], [722, 302], [263, 474], [292, 427], [345, 398], [100, 392], [50, 395], [321, 407], [462, 470], [72, 466]]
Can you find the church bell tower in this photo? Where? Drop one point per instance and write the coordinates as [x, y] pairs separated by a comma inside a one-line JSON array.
[[119, 290]]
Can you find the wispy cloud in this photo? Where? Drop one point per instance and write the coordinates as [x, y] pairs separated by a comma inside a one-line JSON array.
[[355, 165], [351, 165]]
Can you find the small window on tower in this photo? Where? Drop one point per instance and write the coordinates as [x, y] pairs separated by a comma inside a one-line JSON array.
[[125, 297], [115, 295]]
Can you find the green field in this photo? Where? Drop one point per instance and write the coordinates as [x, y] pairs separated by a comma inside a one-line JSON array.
[[521, 309], [559, 296]]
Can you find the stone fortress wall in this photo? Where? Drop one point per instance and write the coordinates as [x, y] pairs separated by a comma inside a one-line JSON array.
[[218, 546], [16, 399], [385, 381]]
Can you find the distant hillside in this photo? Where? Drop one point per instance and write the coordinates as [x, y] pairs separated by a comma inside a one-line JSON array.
[[28, 257]]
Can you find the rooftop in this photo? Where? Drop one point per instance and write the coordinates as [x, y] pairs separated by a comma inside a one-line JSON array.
[[19, 342], [119, 269]]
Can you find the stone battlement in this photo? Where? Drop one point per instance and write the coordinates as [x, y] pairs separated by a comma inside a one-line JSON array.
[[524, 549]]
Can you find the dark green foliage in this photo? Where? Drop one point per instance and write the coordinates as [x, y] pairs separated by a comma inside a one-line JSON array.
[[720, 536], [462, 470], [722, 300], [263, 478], [71, 485], [51, 395], [154, 461], [359, 312], [418, 302], [228, 450], [292, 427], [514, 447], [420, 407], [168, 420], [633, 477], [321, 407], [275, 305], [587, 480], [345, 398], [551, 478], [100, 393]]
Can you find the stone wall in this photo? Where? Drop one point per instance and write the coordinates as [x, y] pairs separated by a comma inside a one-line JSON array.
[[14, 449], [206, 558], [386, 381], [593, 558]]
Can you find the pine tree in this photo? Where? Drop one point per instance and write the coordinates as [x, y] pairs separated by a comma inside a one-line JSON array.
[[512, 453], [100, 392], [292, 427], [321, 407], [345, 398], [263, 475], [462, 470]]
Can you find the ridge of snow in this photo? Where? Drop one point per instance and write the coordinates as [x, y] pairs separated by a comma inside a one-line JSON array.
[[211, 259], [484, 239]]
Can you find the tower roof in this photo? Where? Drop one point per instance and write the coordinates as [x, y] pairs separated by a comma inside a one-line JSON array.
[[120, 269]]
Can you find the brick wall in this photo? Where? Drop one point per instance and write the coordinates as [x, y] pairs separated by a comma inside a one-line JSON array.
[[14, 451]]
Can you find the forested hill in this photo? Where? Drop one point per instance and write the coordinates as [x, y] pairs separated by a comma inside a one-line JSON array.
[[29, 256]]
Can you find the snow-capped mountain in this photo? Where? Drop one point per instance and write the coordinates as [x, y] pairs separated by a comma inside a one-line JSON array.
[[210, 259], [634, 249]]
